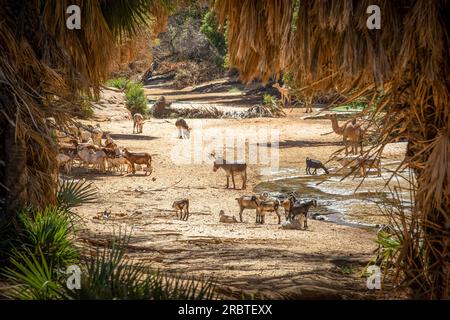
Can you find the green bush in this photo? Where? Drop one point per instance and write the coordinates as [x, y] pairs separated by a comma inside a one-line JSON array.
[[119, 83], [217, 37], [49, 232], [135, 99], [134, 94], [210, 28]]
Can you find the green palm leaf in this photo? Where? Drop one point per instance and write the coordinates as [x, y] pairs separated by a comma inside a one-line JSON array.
[[123, 16], [33, 277], [73, 193]]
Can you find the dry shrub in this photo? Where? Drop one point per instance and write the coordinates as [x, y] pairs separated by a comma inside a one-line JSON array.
[[188, 73], [132, 57]]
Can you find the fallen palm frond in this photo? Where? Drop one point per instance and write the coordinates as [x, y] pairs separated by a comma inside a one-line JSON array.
[[213, 112], [194, 112]]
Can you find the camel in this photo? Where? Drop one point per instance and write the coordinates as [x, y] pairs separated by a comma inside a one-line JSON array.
[[285, 95], [352, 134], [335, 125]]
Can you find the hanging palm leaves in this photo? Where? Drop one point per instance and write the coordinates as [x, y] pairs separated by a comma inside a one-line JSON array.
[[43, 68], [404, 65]]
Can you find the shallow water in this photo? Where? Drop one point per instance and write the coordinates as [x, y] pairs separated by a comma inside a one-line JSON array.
[[335, 199]]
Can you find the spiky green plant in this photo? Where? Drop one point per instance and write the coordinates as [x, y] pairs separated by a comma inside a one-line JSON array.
[[216, 36], [73, 193], [108, 275], [388, 247], [48, 233], [32, 276], [119, 83]]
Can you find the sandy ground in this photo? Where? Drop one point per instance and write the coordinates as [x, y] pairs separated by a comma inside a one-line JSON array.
[[324, 261]]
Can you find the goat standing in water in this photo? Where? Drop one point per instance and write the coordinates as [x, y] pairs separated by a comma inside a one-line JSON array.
[[314, 164]]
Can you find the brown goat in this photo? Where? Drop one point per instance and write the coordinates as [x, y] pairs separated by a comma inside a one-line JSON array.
[[181, 206], [287, 204], [138, 158], [232, 169]]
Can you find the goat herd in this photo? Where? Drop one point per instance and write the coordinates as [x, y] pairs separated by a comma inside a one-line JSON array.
[[84, 146], [295, 211]]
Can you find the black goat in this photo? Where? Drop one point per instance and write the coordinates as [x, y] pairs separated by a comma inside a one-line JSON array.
[[314, 164], [301, 209]]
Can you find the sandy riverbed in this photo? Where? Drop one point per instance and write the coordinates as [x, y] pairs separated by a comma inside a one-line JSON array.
[[323, 262]]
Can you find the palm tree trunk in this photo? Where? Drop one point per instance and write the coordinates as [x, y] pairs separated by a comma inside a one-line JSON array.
[[15, 176], [428, 260]]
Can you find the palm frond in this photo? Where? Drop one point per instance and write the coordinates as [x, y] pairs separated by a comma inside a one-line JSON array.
[[49, 233], [124, 16], [73, 193], [32, 276]]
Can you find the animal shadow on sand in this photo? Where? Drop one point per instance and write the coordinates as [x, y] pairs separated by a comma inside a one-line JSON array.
[[138, 136]]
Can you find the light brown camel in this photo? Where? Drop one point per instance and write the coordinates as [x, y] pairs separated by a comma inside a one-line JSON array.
[[285, 94], [352, 134], [335, 125]]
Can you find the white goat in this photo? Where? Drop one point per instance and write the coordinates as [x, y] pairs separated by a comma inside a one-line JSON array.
[[226, 218], [65, 161], [96, 158], [84, 135], [97, 135]]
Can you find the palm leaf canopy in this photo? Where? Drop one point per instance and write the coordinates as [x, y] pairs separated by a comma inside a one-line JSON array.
[[43, 68], [326, 44]]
